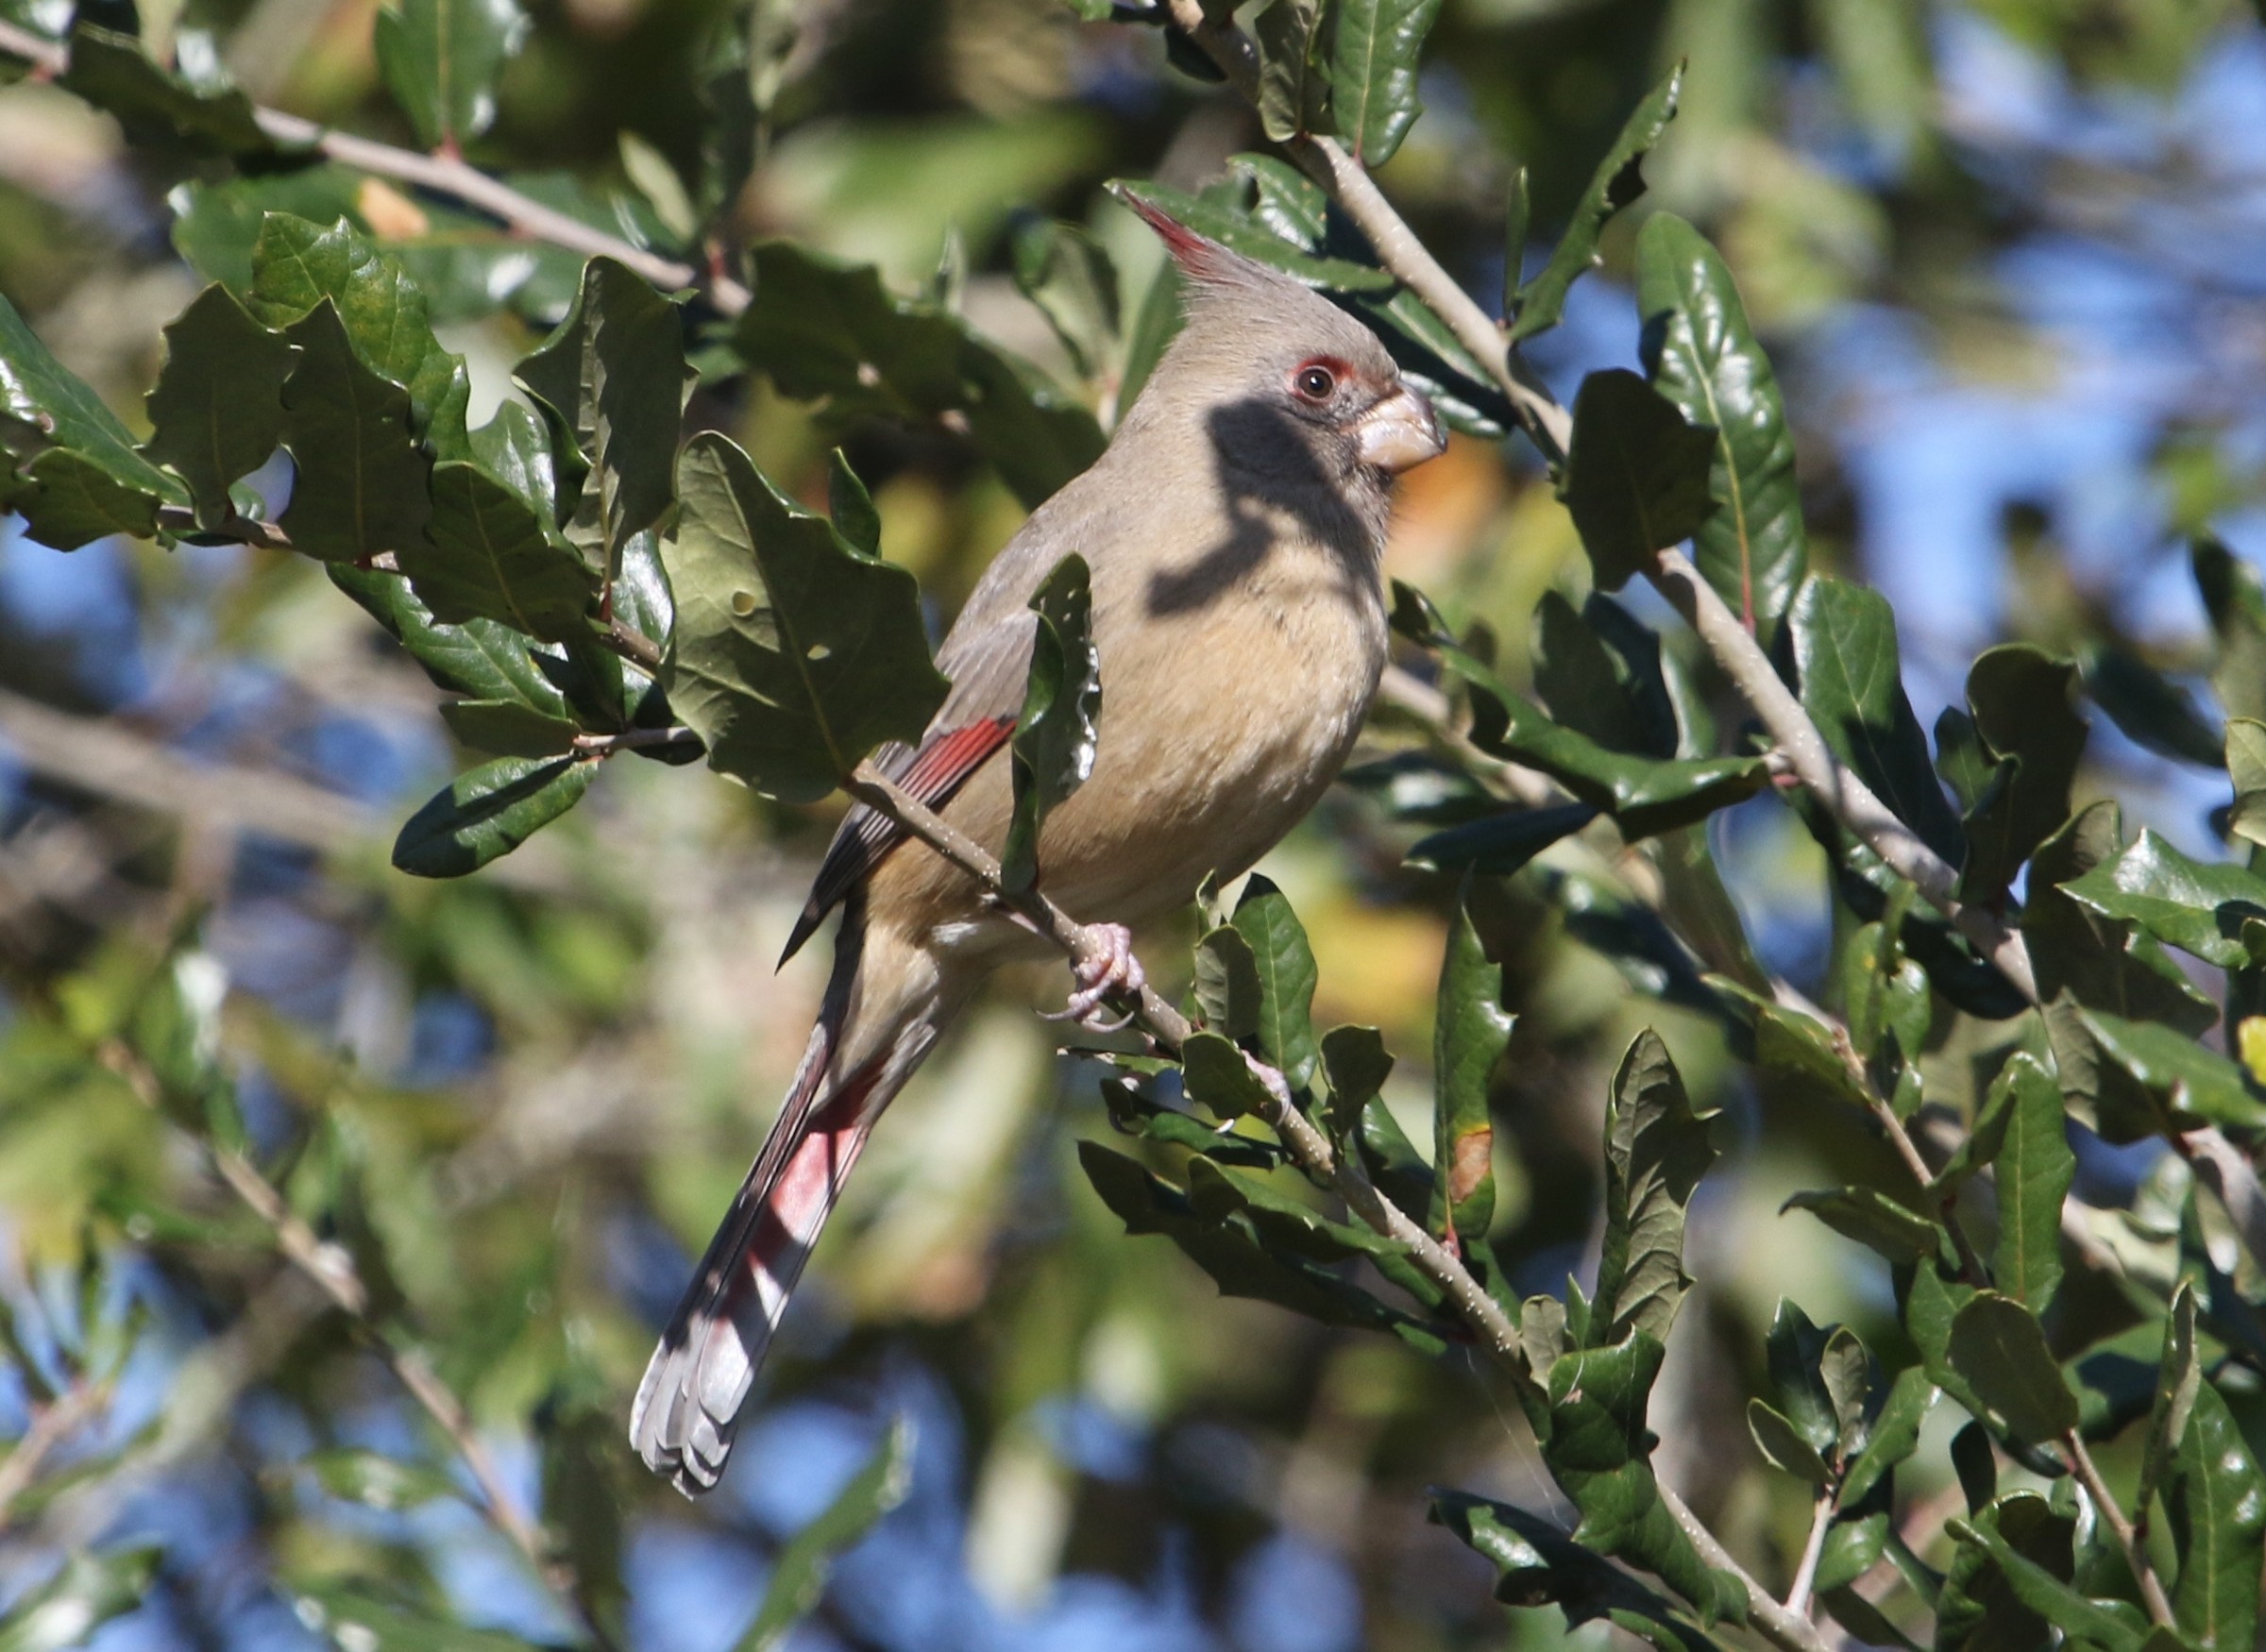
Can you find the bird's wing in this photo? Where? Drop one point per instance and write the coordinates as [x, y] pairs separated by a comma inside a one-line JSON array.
[[987, 665]]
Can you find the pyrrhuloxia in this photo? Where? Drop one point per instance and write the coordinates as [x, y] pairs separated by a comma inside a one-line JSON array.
[[1235, 529]]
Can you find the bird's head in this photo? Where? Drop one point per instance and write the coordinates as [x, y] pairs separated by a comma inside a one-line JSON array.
[[1272, 363]]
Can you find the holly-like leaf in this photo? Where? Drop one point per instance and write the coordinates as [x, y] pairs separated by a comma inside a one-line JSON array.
[[2187, 1082], [490, 555], [1293, 68], [1283, 968], [2200, 907], [198, 107], [83, 477], [216, 414], [1636, 477], [2023, 704], [480, 659], [794, 655], [1058, 733], [489, 811], [799, 1575], [1657, 1147], [1998, 1346], [361, 482], [1356, 1064], [1373, 48], [1699, 353], [1618, 180], [2215, 1499], [1470, 1032], [2036, 1167], [830, 329], [441, 59]]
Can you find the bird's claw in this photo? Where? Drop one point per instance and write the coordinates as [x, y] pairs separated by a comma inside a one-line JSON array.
[[1106, 970]]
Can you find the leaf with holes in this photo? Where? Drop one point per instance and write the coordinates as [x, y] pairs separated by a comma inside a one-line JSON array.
[[793, 656]]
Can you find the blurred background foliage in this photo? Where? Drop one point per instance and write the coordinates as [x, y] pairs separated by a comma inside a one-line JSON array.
[[2006, 255]]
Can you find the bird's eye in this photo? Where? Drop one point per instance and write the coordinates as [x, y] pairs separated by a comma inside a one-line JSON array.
[[1315, 382]]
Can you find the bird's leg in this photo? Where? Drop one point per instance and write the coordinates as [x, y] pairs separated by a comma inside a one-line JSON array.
[[1103, 968]]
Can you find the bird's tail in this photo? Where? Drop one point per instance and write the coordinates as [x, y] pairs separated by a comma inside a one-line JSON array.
[[883, 1009]]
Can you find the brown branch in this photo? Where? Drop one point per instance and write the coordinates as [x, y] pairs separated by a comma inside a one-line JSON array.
[[443, 175], [51, 1424], [1348, 184], [1806, 1572], [2151, 1588], [334, 1272]]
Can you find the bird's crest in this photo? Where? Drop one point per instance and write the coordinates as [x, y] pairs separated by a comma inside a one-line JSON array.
[[1208, 264]]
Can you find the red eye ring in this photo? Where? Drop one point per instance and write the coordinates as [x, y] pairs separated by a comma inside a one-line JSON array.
[[1314, 381]]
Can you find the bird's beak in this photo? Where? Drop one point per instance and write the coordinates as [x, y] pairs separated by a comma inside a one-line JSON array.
[[1400, 432]]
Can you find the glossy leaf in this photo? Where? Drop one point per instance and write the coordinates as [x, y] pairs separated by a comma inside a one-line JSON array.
[[1227, 984], [1637, 478], [2035, 1169], [2198, 906], [1783, 1445], [1894, 1434], [1373, 48], [2045, 1594], [2150, 708], [793, 656], [1218, 1077], [480, 659], [1356, 1064], [361, 483], [1057, 733], [1617, 181], [490, 555], [2024, 715], [799, 1575], [441, 59], [2246, 770], [1657, 1148], [216, 413], [2187, 1081], [1599, 671], [1847, 664], [1286, 1224], [1999, 1348], [1470, 1032], [1699, 353], [205, 111], [1293, 68], [505, 727], [1979, 1605], [1872, 1220], [1283, 963], [487, 812], [2235, 598], [830, 329], [2178, 1376], [2215, 1503], [1500, 843], [1795, 1350], [297, 264]]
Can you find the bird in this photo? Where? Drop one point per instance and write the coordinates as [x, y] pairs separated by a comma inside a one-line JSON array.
[[1235, 530]]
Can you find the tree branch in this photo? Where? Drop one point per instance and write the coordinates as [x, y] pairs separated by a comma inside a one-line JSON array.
[[2151, 1588], [441, 173], [1775, 1624], [1805, 1573], [51, 1424], [334, 1272]]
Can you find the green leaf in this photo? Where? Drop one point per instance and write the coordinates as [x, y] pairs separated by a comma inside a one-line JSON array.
[[490, 555], [2036, 1167], [1783, 1445], [86, 478], [1219, 1078], [1657, 1148], [1618, 180], [1999, 1348], [799, 1575], [2198, 907], [1599, 671], [216, 414], [793, 656], [2215, 1500], [1872, 1220], [507, 728], [1137, 1113], [1286, 1224], [1227, 985], [1699, 353], [2044, 1591], [2188, 1082], [1636, 477], [1068, 274], [1894, 1435], [1293, 69], [2235, 599], [1979, 1605], [1500, 843], [205, 111], [2178, 1375], [1470, 1032], [1058, 733], [361, 482], [441, 59], [2247, 769], [358, 1620], [1356, 1064], [830, 329], [2150, 708], [2024, 705], [93, 1587], [1536, 1564], [1373, 48], [1850, 1375], [374, 1480], [1284, 965], [489, 811], [1795, 1349], [297, 264], [1846, 662], [480, 659], [1264, 243]]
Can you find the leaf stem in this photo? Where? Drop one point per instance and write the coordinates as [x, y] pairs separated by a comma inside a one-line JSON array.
[[1805, 1573], [331, 1268], [2151, 1588], [631, 644], [631, 740], [443, 174]]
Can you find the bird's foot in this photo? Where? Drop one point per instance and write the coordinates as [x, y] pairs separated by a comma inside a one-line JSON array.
[[1106, 970]]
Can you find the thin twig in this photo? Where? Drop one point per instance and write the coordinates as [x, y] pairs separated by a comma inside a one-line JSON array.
[[331, 1268], [51, 1424], [1347, 181], [443, 175], [1309, 1148], [631, 740], [631, 644], [1805, 1573], [2151, 1588]]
